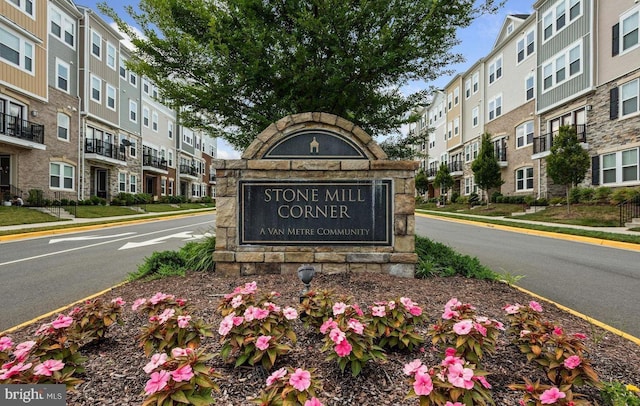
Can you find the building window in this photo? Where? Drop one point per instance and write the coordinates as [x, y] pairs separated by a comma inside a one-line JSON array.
[[145, 86], [524, 179], [629, 23], [133, 184], [96, 88], [62, 75], [171, 181], [163, 186], [621, 167], [456, 96], [61, 176], [526, 45], [187, 136], [123, 69], [133, 79], [449, 101], [476, 82], [170, 130], [556, 19], [63, 126], [469, 186], [133, 111], [524, 134], [456, 126], [475, 115], [122, 182], [96, 44], [629, 99], [111, 56], [111, 97], [170, 157], [560, 15], [495, 70], [62, 27], [154, 121], [26, 6], [449, 130], [467, 88], [133, 148], [555, 71], [495, 107], [145, 116], [529, 87], [16, 50]]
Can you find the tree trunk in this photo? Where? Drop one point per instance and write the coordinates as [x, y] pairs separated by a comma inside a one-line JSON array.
[[568, 190]]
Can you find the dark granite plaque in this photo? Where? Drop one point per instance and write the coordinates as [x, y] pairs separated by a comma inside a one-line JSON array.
[[316, 144], [305, 212]]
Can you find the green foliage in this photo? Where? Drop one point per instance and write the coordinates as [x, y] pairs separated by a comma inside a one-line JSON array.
[[422, 183], [602, 194], [35, 198], [623, 194], [316, 306], [249, 63], [198, 255], [395, 324], [618, 394], [280, 391], [486, 170], [159, 264], [437, 259], [93, 318], [568, 162], [443, 178]]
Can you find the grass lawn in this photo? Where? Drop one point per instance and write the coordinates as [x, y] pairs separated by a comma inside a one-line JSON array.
[[91, 212], [12, 215]]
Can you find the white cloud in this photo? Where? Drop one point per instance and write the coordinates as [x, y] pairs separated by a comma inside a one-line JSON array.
[[226, 151]]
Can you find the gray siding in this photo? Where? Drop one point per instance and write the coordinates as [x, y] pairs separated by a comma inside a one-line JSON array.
[[63, 52]]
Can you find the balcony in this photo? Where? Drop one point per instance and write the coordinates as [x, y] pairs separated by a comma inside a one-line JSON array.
[[431, 173], [456, 168], [21, 132], [103, 151], [188, 170], [212, 178], [544, 142], [500, 151], [154, 164]]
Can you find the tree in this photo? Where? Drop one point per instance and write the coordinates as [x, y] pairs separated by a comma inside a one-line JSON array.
[[486, 170], [443, 178], [568, 162], [422, 182], [236, 66]]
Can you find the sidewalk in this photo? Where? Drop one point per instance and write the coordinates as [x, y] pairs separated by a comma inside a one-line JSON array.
[[613, 230], [19, 228]]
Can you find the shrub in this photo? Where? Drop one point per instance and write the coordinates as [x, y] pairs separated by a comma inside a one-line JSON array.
[[316, 307], [437, 259], [602, 194], [555, 201], [35, 197], [494, 197], [198, 256], [454, 197], [163, 263], [93, 318], [287, 386], [586, 195], [574, 195], [394, 324], [618, 394], [622, 194]]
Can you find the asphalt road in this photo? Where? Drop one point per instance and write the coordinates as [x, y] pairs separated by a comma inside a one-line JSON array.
[[600, 282], [39, 275]]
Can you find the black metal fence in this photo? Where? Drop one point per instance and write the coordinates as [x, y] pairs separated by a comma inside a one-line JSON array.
[[629, 209]]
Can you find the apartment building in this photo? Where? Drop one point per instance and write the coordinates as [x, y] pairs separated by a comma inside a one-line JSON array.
[[454, 156], [436, 120], [473, 120], [510, 102]]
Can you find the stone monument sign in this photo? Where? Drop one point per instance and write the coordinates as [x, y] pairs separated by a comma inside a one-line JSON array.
[[313, 188]]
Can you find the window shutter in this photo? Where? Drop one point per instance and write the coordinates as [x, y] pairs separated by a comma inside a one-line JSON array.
[[595, 170], [613, 103], [615, 40]]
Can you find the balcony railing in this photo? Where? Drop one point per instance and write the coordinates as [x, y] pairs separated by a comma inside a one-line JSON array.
[[103, 148], [154, 161], [456, 166], [545, 142], [501, 154], [12, 126], [431, 172], [188, 170]]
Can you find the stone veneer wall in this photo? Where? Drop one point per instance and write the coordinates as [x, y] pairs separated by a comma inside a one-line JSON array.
[[232, 259]]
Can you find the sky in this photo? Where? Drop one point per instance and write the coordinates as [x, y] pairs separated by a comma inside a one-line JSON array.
[[476, 41]]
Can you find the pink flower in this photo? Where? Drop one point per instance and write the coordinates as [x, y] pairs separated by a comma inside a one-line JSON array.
[[358, 310], [412, 367], [463, 327], [450, 352], [166, 315], [290, 313], [328, 325], [498, 325], [551, 396], [226, 324], [423, 385], [449, 314], [392, 305], [183, 321], [452, 360], [580, 336], [237, 301], [452, 303], [407, 303], [339, 308], [460, 377], [356, 326], [157, 382], [184, 373], [22, 350], [280, 373], [453, 404], [156, 361], [48, 367], [480, 329], [238, 320], [249, 288], [378, 311], [535, 306], [181, 352], [62, 321], [343, 349], [512, 309], [336, 335], [5, 343], [313, 402], [118, 301], [558, 331], [159, 297], [483, 381], [137, 303], [262, 343], [572, 362], [260, 314], [13, 370], [272, 307], [524, 333], [415, 311], [300, 379]]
